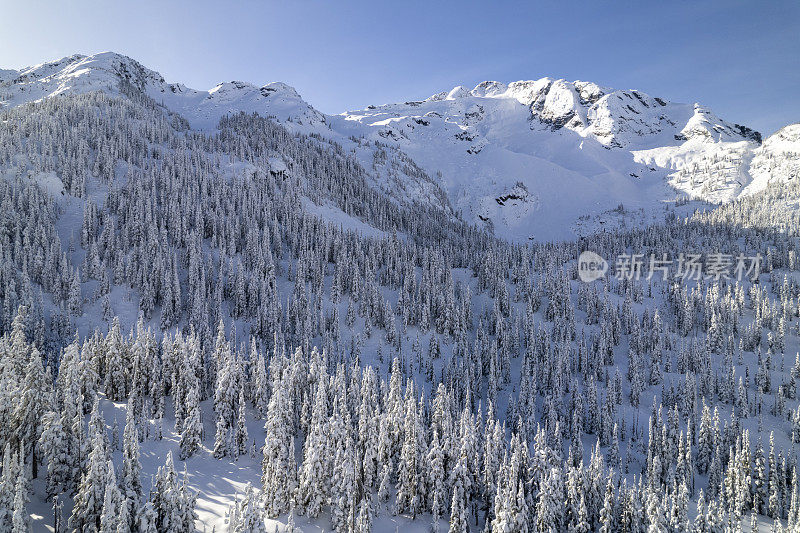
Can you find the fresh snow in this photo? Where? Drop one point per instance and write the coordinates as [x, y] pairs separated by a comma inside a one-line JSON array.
[[578, 149], [532, 160]]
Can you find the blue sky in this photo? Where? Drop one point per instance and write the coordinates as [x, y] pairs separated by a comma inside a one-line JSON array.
[[740, 58]]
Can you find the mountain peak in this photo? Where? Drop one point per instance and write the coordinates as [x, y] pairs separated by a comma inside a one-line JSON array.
[[458, 92], [104, 71], [489, 88], [615, 118]]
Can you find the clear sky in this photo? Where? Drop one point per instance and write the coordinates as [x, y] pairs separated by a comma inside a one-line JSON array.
[[740, 58]]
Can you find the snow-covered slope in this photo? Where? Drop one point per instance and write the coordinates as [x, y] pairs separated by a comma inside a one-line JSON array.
[[777, 160], [543, 159], [563, 152], [203, 109], [392, 171], [113, 210], [615, 118]]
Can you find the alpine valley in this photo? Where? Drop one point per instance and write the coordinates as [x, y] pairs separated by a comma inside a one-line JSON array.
[[224, 310]]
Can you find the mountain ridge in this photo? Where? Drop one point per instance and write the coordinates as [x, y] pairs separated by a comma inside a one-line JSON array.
[[567, 153]]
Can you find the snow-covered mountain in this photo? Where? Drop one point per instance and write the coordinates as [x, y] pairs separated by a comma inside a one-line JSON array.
[[778, 159], [291, 312], [203, 109], [543, 159], [563, 151]]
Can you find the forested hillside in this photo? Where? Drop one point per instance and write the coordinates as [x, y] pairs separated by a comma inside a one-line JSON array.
[[239, 328]]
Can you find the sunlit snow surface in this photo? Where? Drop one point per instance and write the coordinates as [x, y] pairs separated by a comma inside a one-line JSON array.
[[541, 160], [544, 159]]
